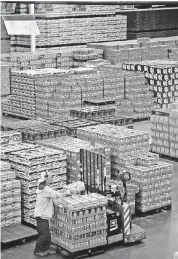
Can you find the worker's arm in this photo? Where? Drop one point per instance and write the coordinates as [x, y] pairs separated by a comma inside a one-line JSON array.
[[50, 193]]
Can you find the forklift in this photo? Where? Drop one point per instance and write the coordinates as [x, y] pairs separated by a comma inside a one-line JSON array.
[[120, 226]]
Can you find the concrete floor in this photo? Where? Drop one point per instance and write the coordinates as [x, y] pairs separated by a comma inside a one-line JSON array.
[[162, 233]]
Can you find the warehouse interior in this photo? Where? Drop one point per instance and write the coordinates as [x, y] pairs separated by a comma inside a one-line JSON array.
[[89, 96]]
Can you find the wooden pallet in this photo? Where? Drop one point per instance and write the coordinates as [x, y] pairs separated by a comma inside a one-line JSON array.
[[16, 234], [152, 212], [141, 119], [11, 115], [97, 102], [83, 253]]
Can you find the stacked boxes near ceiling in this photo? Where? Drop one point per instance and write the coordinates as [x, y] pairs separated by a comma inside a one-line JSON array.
[[21, 8], [75, 27], [137, 50], [80, 210], [159, 22], [75, 10], [72, 147], [8, 8], [65, 9], [164, 131], [162, 78], [28, 166], [10, 196]]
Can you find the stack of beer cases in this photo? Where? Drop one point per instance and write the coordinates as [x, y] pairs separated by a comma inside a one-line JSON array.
[[164, 133], [173, 130], [92, 112], [162, 77], [134, 97], [77, 30], [80, 222], [10, 137], [81, 56], [42, 132], [21, 8], [28, 166], [124, 143], [160, 132], [80, 10], [49, 92], [8, 148], [75, 10], [71, 147], [11, 141], [10, 196], [5, 79], [155, 179], [24, 95], [138, 92], [53, 58], [32, 130], [137, 50], [126, 147], [70, 127], [57, 31], [7, 125]]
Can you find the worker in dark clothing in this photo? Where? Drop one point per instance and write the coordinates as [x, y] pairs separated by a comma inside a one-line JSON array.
[[43, 212]]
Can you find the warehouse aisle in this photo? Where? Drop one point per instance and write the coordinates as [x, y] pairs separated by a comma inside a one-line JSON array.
[[162, 233]]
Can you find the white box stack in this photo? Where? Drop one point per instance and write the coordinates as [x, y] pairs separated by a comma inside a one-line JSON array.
[[28, 166], [164, 131], [10, 196]]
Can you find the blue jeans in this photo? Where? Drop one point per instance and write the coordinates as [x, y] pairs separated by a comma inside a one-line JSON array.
[[44, 236]]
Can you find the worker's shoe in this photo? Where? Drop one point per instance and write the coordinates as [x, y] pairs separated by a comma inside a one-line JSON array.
[[45, 253]]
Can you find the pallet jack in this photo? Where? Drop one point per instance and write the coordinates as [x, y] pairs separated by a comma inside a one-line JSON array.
[[120, 227]]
